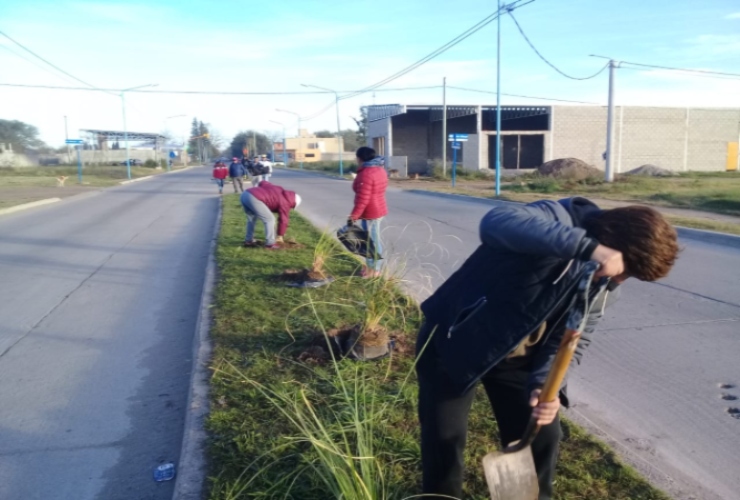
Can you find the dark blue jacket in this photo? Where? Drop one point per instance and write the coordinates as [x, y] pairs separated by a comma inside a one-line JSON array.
[[524, 272], [236, 170]]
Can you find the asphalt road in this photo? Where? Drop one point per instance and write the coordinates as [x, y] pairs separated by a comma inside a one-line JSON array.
[[653, 382], [99, 296]]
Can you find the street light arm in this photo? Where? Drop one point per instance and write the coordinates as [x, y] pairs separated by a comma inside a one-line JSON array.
[[140, 87]]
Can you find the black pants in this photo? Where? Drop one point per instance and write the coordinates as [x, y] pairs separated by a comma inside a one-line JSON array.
[[443, 414]]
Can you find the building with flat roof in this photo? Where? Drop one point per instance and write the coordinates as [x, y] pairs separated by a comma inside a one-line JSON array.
[[678, 139], [309, 148]]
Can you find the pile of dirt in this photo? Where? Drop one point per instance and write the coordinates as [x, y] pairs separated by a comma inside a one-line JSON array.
[[651, 171], [300, 276], [571, 169], [352, 342], [304, 278], [288, 244]]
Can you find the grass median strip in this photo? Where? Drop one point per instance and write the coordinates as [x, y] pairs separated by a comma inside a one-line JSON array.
[[289, 420]]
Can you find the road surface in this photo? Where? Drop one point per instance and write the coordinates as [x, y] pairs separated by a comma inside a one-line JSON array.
[[99, 297], [653, 382]]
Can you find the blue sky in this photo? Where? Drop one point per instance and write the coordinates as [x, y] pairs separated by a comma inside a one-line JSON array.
[[276, 46]]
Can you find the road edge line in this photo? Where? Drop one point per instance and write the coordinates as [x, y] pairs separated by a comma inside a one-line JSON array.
[[690, 233], [191, 473], [157, 175], [32, 204]]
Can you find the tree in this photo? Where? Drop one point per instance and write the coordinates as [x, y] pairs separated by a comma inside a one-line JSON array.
[[22, 136], [350, 139], [193, 147], [245, 140], [362, 126]]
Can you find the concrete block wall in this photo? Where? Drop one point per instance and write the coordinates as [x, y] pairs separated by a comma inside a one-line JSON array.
[[709, 132], [410, 139], [578, 132]]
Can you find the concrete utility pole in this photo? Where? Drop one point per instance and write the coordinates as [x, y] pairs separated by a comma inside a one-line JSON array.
[[66, 137], [340, 149], [300, 138], [125, 127], [498, 102], [444, 126], [609, 168]]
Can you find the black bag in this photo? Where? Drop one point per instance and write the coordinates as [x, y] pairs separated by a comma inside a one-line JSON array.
[[261, 169], [358, 241]]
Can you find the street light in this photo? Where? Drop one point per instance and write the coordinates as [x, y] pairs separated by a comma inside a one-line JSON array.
[[169, 161], [340, 149], [125, 129], [285, 146], [300, 139]]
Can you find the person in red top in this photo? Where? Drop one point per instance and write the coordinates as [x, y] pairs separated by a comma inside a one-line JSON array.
[[220, 172], [370, 206], [262, 202]]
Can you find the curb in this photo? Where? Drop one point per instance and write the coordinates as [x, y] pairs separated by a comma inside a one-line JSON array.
[[24, 206], [192, 464], [712, 237], [702, 235]]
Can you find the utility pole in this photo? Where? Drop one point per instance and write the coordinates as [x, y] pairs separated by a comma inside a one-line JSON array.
[[340, 149], [444, 126], [254, 143], [609, 168], [125, 127], [66, 137], [498, 102]]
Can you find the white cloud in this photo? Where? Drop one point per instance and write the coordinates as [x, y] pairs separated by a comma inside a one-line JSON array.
[[734, 15]]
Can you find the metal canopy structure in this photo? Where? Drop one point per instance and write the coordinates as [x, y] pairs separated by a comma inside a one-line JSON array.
[[119, 135]]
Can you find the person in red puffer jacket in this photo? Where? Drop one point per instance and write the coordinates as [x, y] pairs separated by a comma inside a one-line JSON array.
[[220, 172], [261, 203], [370, 205]]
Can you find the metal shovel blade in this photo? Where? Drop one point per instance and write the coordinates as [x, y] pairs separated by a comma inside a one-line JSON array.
[[511, 476]]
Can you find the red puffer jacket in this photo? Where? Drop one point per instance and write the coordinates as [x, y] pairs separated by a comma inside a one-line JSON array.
[[278, 200], [220, 172], [369, 187]]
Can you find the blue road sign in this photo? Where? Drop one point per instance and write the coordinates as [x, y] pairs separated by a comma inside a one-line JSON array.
[[458, 137], [73, 141], [456, 145]]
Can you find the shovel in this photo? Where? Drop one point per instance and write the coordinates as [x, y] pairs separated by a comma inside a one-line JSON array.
[[510, 474]]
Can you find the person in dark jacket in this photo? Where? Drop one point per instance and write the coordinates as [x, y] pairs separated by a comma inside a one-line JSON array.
[[260, 203], [370, 205], [499, 320], [237, 173]]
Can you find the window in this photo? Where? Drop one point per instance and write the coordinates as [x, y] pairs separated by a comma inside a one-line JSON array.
[[313, 145], [310, 155]]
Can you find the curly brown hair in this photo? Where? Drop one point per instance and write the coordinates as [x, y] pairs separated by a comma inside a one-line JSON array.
[[648, 242]]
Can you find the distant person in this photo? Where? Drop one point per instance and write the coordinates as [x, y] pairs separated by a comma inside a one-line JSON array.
[[220, 172], [262, 202], [370, 205], [236, 172]]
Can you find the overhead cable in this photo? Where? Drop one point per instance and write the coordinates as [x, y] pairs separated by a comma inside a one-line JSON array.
[[544, 59]]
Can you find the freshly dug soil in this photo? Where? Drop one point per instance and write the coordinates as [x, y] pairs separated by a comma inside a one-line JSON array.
[[571, 169], [301, 276], [348, 341], [288, 244]]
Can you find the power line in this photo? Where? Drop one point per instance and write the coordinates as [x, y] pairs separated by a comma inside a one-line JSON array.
[[203, 92], [464, 35], [46, 61], [521, 96], [685, 70], [524, 35]]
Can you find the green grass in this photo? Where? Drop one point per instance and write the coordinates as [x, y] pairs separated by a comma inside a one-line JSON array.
[[717, 192], [91, 175], [329, 167], [284, 428]]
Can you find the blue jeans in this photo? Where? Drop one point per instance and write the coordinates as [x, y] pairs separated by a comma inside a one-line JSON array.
[[372, 226], [255, 209], [220, 184]]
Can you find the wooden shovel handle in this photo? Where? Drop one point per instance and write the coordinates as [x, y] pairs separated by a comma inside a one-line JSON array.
[[551, 389]]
